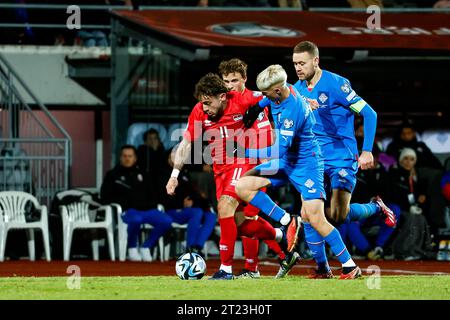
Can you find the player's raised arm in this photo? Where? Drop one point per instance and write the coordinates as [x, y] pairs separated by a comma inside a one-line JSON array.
[[348, 97], [181, 155]]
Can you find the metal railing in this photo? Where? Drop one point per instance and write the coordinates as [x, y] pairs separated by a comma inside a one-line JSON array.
[[35, 150]]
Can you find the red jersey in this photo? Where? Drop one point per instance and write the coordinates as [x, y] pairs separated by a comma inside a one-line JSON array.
[[228, 128]]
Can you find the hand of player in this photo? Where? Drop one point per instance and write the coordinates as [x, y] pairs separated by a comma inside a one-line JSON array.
[[251, 115], [365, 160], [313, 104], [171, 186]]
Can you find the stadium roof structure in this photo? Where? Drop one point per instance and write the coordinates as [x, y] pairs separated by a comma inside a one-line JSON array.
[[199, 34]]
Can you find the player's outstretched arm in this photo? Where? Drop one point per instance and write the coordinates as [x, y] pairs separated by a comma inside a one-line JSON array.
[[181, 155]]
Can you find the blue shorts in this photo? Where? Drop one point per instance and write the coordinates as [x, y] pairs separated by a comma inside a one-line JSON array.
[[306, 177], [342, 173]]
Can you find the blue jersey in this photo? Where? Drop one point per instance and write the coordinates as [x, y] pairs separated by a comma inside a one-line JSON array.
[[294, 121], [334, 127]]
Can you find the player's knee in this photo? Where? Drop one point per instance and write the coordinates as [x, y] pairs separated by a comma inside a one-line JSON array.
[[339, 214], [224, 210]]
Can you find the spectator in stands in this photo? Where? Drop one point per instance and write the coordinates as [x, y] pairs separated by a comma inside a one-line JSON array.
[[151, 156], [407, 138], [404, 187], [188, 206], [130, 187], [365, 3], [371, 183]]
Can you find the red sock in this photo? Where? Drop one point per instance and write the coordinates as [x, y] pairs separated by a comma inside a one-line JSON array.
[[251, 249], [228, 234], [275, 247]]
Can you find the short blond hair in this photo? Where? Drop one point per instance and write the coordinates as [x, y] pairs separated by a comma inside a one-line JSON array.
[[272, 75]]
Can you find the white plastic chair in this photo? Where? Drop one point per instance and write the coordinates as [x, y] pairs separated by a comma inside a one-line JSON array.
[[122, 235], [78, 216], [13, 206]]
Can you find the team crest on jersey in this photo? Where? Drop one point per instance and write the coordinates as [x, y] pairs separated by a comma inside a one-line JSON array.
[[288, 123], [323, 97], [261, 116], [238, 117], [346, 88]]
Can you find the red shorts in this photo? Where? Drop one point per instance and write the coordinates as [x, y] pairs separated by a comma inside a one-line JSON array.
[[226, 183]]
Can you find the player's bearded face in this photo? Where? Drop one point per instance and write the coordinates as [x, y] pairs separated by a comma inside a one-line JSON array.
[[234, 81], [305, 65], [213, 106]]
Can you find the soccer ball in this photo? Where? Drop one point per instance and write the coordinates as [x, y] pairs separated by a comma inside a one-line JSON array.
[[190, 266]]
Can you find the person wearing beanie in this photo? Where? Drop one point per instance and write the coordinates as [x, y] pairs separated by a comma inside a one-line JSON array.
[[406, 188]]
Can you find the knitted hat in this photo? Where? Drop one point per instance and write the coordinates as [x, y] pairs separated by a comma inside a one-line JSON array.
[[407, 152]]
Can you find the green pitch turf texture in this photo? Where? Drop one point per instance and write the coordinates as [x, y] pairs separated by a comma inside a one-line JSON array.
[[266, 288]]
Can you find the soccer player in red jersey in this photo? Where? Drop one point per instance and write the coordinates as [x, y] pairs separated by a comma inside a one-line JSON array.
[[234, 74], [218, 119]]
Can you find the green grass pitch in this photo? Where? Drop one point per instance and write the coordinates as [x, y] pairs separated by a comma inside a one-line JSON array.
[[266, 288]]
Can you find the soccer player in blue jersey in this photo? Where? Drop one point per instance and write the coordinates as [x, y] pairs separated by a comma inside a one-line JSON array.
[[296, 158], [334, 103]]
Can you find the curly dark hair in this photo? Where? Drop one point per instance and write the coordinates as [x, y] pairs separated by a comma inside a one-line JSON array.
[[210, 85], [233, 66]]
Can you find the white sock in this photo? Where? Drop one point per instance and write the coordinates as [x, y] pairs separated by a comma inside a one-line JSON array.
[[285, 219], [278, 235], [349, 263], [227, 269]]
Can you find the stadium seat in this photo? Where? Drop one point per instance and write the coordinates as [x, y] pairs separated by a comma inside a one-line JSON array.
[[79, 215], [175, 134], [137, 130], [437, 140], [14, 206]]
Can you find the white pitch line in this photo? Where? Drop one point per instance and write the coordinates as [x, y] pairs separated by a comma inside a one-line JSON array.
[[268, 263]]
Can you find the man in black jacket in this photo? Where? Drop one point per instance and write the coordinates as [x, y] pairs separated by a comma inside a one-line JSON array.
[[128, 186]]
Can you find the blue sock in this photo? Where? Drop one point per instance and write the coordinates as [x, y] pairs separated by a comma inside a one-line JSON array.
[[359, 211], [263, 202], [337, 246], [316, 244]]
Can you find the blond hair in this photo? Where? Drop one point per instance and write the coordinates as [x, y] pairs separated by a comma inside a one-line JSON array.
[[272, 75]]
